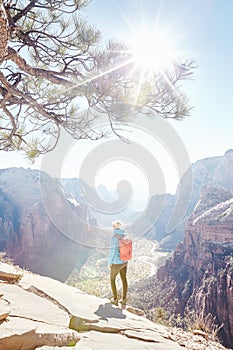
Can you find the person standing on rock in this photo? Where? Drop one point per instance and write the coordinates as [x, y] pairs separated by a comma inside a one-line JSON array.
[[116, 265]]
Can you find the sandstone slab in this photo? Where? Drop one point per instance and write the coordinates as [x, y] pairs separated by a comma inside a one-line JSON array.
[[99, 341], [91, 312], [4, 310], [30, 306], [18, 334], [9, 273], [8, 268]]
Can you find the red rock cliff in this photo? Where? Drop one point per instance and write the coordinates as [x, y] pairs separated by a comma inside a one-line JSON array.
[[41, 230], [202, 266]]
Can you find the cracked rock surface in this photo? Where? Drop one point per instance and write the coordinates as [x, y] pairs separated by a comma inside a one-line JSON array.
[[38, 312]]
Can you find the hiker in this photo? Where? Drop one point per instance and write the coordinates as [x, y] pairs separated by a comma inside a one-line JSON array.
[[116, 265]]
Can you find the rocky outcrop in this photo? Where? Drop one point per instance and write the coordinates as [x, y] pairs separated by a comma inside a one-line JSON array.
[[41, 313], [201, 268], [8, 220], [170, 224], [40, 228]]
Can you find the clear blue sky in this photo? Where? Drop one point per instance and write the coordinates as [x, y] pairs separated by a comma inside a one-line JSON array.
[[203, 30]]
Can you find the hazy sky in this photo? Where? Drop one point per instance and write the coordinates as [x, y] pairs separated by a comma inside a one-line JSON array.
[[199, 29], [203, 30]]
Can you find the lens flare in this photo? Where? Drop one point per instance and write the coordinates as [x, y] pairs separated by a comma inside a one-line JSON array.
[[152, 50]]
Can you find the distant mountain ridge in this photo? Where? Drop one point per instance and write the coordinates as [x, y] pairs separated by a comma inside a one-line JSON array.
[[76, 189], [166, 226], [211, 172], [29, 236]]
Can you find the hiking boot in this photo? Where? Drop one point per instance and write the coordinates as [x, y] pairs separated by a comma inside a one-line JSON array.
[[114, 301], [123, 302]]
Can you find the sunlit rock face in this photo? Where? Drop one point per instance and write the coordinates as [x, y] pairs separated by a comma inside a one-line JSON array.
[[202, 266], [40, 228], [8, 220], [214, 172]]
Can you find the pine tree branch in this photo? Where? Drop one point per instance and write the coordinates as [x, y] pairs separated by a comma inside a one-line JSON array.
[[36, 72]]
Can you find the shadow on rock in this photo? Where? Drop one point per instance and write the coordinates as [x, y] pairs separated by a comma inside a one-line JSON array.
[[108, 311]]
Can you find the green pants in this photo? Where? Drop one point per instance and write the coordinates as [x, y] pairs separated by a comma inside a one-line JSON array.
[[122, 269]]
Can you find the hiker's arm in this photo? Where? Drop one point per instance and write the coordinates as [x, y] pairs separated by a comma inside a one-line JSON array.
[[112, 250]]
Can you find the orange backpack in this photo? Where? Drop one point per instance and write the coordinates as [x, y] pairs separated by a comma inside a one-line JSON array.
[[125, 247]]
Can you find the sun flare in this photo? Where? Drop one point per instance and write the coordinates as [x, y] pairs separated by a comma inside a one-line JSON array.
[[152, 50]]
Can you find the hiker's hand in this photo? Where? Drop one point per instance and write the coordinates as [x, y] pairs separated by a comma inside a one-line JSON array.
[[109, 267]]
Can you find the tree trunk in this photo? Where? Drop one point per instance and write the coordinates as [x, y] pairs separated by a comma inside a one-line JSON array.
[[4, 32]]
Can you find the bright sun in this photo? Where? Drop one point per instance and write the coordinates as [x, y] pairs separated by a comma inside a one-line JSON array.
[[151, 50]]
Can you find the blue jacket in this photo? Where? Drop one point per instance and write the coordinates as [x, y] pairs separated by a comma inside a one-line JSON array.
[[114, 253]]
